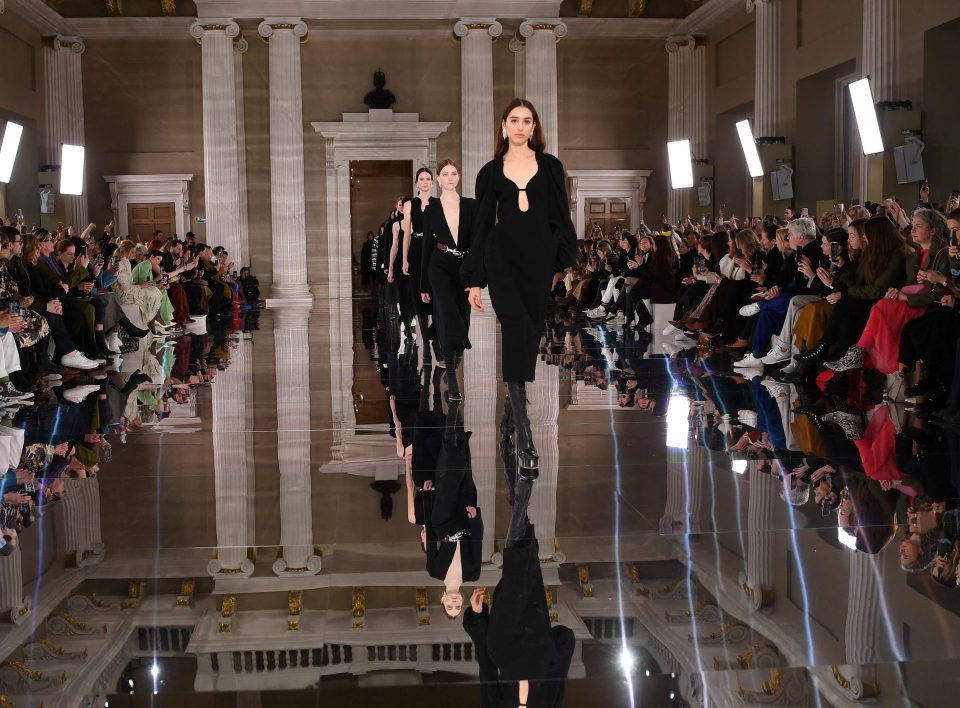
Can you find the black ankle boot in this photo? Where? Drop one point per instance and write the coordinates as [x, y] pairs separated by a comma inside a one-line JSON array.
[[813, 356], [453, 388], [527, 458]]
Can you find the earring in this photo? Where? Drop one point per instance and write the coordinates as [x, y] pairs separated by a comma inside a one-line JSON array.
[[504, 133]]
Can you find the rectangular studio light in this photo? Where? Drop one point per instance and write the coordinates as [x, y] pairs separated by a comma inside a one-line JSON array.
[[749, 146], [71, 169], [865, 111], [8, 150], [681, 166]]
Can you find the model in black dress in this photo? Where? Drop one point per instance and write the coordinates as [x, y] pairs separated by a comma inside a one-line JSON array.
[[448, 222], [522, 235], [401, 282], [413, 232]]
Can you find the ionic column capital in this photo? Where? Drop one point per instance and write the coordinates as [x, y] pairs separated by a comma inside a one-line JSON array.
[[272, 25], [680, 42], [516, 45], [200, 28], [240, 45], [529, 27], [466, 25], [752, 4], [66, 43]]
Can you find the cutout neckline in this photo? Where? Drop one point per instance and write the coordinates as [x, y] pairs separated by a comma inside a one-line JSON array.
[[523, 189]]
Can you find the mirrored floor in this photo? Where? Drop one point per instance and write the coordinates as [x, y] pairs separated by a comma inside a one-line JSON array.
[[259, 526]]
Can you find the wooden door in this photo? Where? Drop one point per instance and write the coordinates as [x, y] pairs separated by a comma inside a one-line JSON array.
[[144, 219], [606, 213]]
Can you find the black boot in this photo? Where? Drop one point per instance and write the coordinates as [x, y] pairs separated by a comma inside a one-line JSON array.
[[527, 458], [508, 454], [453, 388], [45, 365], [519, 528], [813, 356], [506, 423], [131, 329]]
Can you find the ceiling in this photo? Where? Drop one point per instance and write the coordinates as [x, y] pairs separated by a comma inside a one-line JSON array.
[[124, 8], [661, 9]]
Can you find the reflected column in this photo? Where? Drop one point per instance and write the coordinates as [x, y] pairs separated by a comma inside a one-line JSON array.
[[233, 471], [863, 634], [291, 333], [543, 408], [81, 525], [480, 383], [13, 605], [757, 581], [242, 256], [685, 469]]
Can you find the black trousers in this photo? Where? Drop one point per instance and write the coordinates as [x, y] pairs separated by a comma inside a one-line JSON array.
[[932, 339], [451, 310], [846, 323]]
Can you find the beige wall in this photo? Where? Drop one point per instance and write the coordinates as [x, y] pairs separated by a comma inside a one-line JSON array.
[[143, 114], [21, 100]]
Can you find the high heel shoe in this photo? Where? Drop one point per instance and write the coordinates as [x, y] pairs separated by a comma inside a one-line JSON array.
[[131, 329], [528, 461]]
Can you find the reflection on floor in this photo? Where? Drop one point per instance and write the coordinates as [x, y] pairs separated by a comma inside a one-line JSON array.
[[253, 538]]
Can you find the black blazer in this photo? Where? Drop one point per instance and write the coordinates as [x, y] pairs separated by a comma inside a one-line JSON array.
[[435, 230]]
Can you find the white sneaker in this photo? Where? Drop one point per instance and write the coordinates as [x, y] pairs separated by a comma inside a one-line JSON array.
[[748, 362], [76, 360], [78, 394], [750, 310], [597, 313], [776, 355], [615, 318]]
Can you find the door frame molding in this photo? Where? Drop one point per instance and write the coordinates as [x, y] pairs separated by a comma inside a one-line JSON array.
[[607, 184], [150, 189]]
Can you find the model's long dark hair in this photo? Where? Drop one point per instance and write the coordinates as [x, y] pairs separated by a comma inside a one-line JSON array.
[[537, 140]]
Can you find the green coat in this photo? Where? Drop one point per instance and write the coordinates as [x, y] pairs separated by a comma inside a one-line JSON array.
[[890, 277]]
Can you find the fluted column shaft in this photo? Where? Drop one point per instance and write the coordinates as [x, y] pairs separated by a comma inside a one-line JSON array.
[[881, 48], [293, 440], [768, 118], [760, 521], [287, 195], [476, 97], [233, 471], [543, 408], [242, 256], [63, 95], [686, 104], [221, 172], [13, 605], [519, 68], [480, 413], [865, 628], [540, 68], [81, 520]]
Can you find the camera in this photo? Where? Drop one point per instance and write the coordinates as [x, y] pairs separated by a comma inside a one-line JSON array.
[[944, 547]]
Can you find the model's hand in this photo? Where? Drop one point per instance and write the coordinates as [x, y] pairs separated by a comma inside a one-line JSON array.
[[390, 275], [428, 485], [476, 600], [472, 512], [425, 297], [474, 299], [406, 268]]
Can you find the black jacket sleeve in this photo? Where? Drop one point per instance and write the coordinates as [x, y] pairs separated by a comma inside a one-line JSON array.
[[559, 216], [429, 244], [474, 271]]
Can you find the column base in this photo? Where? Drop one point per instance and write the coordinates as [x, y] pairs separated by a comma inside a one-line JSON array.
[[298, 294]]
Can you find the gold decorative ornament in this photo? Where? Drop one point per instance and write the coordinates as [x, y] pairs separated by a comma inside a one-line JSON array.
[[25, 670], [359, 608], [293, 625], [186, 587], [71, 620], [6, 703], [113, 8], [92, 597], [133, 589], [772, 687], [169, 7], [421, 599], [584, 574], [229, 606], [223, 626], [639, 7], [294, 602], [634, 573], [586, 7], [51, 647]]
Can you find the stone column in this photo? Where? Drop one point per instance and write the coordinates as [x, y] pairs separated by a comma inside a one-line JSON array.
[[881, 48], [242, 256], [757, 580], [221, 172], [686, 104], [480, 383], [767, 109], [287, 196], [541, 73], [293, 443], [233, 470], [63, 96], [519, 68], [476, 96]]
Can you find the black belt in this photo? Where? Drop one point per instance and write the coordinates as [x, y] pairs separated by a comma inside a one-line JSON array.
[[452, 251]]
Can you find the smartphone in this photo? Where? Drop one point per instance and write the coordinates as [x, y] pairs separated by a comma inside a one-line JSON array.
[[28, 488], [13, 308], [834, 251]]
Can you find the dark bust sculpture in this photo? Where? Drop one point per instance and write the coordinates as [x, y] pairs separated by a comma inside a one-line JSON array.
[[379, 97]]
